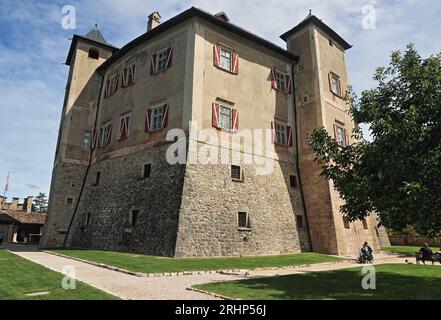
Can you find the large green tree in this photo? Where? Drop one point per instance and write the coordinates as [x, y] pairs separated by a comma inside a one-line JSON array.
[[398, 173], [40, 203]]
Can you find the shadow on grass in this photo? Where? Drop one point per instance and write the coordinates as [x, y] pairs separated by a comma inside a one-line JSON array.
[[392, 282]]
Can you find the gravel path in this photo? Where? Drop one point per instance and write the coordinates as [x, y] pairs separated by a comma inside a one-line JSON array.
[[164, 288]]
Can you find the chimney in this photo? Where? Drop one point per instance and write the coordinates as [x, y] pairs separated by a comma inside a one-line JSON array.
[[154, 20], [28, 204], [14, 204]]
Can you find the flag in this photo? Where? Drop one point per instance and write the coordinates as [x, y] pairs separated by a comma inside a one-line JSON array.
[[7, 184]]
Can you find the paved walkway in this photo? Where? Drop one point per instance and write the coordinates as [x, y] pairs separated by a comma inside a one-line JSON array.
[[163, 288]]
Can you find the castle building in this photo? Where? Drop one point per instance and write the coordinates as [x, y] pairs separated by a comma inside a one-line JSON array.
[[113, 187]]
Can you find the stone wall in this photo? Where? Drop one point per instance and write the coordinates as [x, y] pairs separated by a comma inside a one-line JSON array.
[[121, 189], [211, 201], [414, 241]]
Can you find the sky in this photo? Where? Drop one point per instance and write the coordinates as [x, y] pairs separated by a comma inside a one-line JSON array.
[[34, 46]]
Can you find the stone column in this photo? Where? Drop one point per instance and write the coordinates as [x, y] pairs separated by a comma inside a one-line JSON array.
[[10, 234]]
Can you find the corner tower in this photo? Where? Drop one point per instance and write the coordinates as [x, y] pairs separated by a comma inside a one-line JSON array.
[[86, 54], [321, 80]]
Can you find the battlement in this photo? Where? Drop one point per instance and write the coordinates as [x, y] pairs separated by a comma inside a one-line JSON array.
[[15, 204]]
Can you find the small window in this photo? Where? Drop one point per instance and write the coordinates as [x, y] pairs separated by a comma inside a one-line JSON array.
[[236, 173], [335, 84], [300, 222], [281, 134], [365, 224], [340, 135], [243, 220], [124, 127], [226, 59], [225, 115], [105, 134], [293, 181], [87, 140], [161, 60], [69, 201], [129, 76], [346, 222], [133, 217], [111, 85], [97, 177], [146, 171], [281, 81], [94, 53]]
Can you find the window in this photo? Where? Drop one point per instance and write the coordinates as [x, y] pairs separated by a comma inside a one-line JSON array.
[[365, 224], [129, 76], [226, 59], [280, 133], [124, 127], [105, 134], [243, 220], [97, 177], [340, 135], [161, 60], [300, 222], [87, 140], [147, 168], [236, 173], [293, 181], [69, 201], [335, 84], [157, 118], [133, 217], [225, 117], [346, 222], [94, 53], [111, 85], [281, 81]]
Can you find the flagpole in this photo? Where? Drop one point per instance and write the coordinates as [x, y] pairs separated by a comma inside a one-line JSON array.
[[6, 186]]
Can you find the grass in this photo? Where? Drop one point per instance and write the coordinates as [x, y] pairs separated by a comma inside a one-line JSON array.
[[19, 277], [149, 264], [393, 282], [408, 250]]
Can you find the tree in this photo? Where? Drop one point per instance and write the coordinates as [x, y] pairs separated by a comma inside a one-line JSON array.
[[398, 173], [40, 203]]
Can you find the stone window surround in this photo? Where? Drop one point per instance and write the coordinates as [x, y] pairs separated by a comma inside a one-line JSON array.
[[335, 85], [241, 179], [69, 201], [143, 171], [248, 223]]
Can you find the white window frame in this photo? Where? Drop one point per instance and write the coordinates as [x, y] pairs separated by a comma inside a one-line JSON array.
[[158, 120], [87, 140], [335, 84], [279, 125], [340, 133], [131, 72], [159, 59], [223, 105], [104, 134], [280, 77], [222, 58]]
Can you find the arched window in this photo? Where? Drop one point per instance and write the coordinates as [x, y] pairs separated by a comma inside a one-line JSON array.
[[94, 53]]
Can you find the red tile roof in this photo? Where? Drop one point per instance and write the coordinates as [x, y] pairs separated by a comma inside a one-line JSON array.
[[26, 218]]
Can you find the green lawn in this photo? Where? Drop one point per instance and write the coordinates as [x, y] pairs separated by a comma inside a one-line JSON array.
[[408, 282], [149, 264], [19, 277], [405, 249]]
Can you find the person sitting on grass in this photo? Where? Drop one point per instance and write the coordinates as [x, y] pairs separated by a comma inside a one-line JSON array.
[[425, 252]]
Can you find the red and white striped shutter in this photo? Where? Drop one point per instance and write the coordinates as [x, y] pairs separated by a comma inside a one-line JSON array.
[[288, 84], [273, 79], [235, 116], [109, 134], [122, 128], [216, 55], [169, 57], [134, 72], [124, 77], [330, 82], [235, 63], [273, 129], [116, 82], [165, 116], [148, 120], [340, 86], [289, 134], [216, 110], [153, 64], [336, 133]]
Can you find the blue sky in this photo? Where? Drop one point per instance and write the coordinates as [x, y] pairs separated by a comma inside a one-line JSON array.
[[33, 48]]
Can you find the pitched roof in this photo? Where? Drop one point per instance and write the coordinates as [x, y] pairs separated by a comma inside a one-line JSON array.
[[195, 12], [312, 19], [25, 218], [95, 35]]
